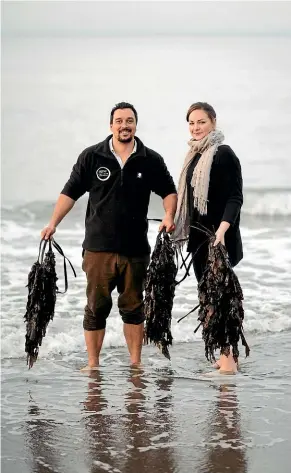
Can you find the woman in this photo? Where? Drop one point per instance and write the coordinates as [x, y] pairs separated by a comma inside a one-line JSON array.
[[209, 196]]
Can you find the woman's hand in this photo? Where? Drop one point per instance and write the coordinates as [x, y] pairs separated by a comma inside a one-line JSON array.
[[220, 232], [219, 237]]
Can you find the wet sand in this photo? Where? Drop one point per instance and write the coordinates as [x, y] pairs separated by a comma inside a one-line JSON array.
[[163, 418]]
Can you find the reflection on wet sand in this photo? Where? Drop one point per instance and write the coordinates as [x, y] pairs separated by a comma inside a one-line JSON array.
[[98, 425], [149, 425], [225, 448], [136, 438], [40, 435]]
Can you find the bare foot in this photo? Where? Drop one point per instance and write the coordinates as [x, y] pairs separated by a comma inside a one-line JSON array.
[[89, 368], [227, 372], [93, 364], [135, 365]]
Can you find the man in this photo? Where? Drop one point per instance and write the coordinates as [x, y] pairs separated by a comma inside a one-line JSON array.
[[119, 174]]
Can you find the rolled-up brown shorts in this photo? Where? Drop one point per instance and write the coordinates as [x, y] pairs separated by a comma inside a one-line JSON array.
[[106, 271]]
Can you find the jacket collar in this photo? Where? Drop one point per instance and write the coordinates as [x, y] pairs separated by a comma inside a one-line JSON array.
[[115, 154]]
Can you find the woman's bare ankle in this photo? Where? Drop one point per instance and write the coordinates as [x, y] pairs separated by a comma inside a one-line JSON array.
[[227, 364], [93, 362]]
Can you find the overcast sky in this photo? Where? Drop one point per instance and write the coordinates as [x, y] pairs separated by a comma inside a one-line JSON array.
[[145, 17]]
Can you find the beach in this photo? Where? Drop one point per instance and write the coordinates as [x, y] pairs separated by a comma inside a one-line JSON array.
[[166, 417]]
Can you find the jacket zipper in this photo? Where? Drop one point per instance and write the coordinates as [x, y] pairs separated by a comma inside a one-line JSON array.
[[122, 169], [121, 183]]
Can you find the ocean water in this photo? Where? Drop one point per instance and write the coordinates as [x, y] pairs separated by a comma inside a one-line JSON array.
[[56, 98], [264, 274]]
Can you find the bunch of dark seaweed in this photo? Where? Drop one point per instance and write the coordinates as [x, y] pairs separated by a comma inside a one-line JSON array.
[[220, 295], [42, 291], [159, 293], [221, 310]]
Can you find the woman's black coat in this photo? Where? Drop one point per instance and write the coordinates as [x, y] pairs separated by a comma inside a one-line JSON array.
[[225, 199]]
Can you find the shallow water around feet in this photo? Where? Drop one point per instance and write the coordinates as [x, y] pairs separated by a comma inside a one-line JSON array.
[[168, 417]]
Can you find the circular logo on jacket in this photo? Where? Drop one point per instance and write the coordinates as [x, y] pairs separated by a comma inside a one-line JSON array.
[[103, 174]]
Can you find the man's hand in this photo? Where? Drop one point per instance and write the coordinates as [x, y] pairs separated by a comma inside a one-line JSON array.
[[170, 205], [47, 232], [167, 223]]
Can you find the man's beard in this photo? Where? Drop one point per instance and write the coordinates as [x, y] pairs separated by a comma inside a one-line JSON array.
[[124, 140]]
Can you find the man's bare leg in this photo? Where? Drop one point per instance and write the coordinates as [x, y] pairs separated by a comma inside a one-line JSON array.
[[94, 341], [134, 339]]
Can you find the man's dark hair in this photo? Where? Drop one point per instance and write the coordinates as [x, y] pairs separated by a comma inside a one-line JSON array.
[[122, 105]]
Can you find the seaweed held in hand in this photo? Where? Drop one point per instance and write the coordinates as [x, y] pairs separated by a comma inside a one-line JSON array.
[[42, 291], [221, 310], [159, 293]]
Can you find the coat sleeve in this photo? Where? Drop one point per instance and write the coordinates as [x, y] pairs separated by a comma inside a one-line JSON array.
[[232, 169], [76, 186], [161, 180]]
